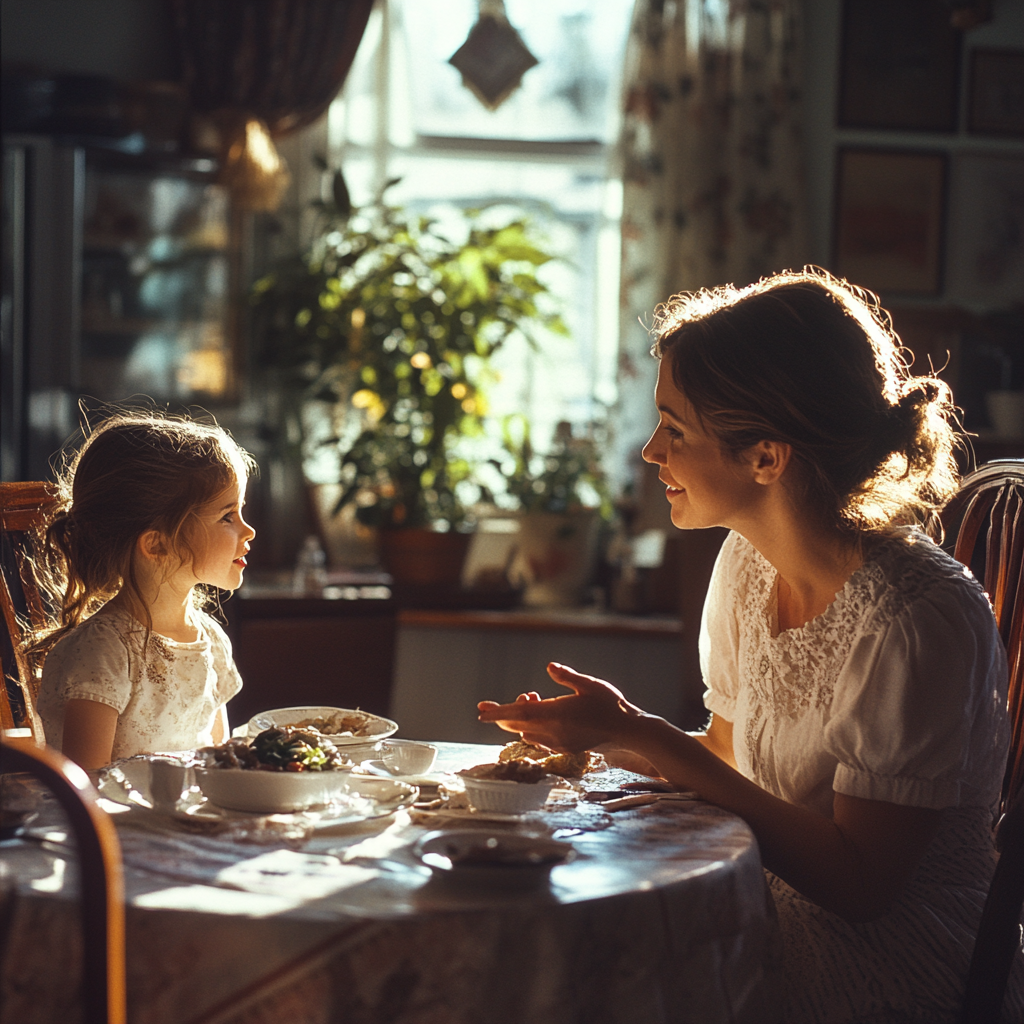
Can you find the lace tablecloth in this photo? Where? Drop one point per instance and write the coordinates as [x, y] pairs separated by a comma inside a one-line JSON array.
[[664, 916]]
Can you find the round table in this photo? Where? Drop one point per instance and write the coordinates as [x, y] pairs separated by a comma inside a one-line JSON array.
[[664, 916]]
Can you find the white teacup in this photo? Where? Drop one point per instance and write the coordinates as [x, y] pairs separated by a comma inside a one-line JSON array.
[[167, 781], [408, 757]]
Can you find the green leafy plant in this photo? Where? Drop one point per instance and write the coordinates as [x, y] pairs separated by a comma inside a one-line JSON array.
[[565, 478], [392, 324]]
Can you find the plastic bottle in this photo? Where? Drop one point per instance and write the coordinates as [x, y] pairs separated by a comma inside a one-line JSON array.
[[310, 569]]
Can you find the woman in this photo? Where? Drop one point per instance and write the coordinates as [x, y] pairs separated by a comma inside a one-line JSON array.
[[855, 678]]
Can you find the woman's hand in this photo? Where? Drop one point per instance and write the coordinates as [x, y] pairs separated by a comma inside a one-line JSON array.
[[595, 713]]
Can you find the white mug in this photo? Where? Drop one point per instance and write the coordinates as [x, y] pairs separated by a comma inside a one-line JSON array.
[[408, 757], [167, 781]]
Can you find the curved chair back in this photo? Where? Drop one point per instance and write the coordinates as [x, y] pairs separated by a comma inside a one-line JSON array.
[[22, 511], [986, 518], [102, 888]]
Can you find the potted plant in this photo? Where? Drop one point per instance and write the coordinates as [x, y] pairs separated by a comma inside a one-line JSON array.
[[562, 496], [384, 331]]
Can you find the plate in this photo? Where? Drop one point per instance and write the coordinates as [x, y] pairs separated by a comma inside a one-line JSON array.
[[498, 858], [126, 786], [381, 770], [378, 728]]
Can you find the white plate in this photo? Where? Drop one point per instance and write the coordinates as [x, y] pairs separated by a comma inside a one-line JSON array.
[[499, 858], [379, 728], [126, 785], [379, 768]]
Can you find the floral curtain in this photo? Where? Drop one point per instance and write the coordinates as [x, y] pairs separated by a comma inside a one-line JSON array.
[[712, 164]]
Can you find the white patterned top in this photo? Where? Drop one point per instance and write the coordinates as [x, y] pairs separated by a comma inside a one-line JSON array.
[[897, 692], [166, 694]]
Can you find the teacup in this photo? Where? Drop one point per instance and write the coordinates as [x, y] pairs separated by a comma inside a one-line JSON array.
[[167, 781], [408, 757]]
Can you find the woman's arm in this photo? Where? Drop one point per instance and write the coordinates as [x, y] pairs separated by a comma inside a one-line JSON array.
[[854, 864], [88, 732]]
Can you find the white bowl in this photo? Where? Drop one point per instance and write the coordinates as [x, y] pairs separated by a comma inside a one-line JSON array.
[[408, 757], [376, 727], [492, 858], [239, 789], [508, 797]]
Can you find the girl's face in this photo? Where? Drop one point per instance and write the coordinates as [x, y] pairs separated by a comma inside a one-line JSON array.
[[704, 485], [222, 540]]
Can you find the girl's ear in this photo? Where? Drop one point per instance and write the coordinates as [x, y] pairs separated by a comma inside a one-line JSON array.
[[769, 460], [152, 545]]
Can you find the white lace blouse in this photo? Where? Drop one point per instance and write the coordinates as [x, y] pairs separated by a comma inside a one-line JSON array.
[[166, 694], [897, 692]]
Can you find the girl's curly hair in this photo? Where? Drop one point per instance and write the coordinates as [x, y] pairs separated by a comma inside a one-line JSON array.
[[135, 472]]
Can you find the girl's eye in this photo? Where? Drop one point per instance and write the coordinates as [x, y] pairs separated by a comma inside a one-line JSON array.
[[229, 518], [676, 435]]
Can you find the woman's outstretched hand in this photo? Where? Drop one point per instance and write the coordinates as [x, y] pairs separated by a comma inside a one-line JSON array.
[[595, 713]]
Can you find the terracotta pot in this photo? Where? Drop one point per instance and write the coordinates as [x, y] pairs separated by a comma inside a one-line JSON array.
[[419, 557], [556, 557]]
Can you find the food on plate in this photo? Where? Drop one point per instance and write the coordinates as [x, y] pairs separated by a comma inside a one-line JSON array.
[[281, 749], [507, 771], [356, 724], [568, 766]]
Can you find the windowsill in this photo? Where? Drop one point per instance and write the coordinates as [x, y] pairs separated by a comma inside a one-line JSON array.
[[550, 620]]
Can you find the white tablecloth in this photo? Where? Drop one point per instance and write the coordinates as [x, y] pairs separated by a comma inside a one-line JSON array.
[[663, 917]]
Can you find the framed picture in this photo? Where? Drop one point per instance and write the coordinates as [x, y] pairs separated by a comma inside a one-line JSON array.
[[996, 105], [889, 219], [986, 250], [899, 66]]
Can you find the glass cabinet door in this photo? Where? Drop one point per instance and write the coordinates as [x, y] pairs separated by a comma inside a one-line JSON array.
[[154, 288]]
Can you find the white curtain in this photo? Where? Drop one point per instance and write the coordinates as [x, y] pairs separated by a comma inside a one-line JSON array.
[[712, 165]]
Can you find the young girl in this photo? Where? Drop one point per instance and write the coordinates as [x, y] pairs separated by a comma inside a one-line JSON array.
[[150, 516], [854, 674]]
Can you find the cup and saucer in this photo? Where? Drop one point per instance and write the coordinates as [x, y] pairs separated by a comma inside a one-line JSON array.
[[408, 761]]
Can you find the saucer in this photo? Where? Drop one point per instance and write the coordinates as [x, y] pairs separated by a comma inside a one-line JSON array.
[[378, 767]]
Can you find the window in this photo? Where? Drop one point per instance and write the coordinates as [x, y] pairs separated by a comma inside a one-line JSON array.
[[548, 151]]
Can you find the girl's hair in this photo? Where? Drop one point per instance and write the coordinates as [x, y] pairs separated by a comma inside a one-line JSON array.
[[810, 360], [135, 472]]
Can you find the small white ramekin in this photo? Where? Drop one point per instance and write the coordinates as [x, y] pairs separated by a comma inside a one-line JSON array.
[[504, 797]]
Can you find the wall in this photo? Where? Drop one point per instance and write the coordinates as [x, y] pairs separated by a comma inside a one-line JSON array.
[[125, 39], [822, 50]]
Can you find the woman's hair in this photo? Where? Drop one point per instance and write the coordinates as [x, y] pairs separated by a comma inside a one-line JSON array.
[[135, 472], [807, 359]]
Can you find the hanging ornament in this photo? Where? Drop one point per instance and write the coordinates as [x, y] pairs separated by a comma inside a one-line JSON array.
[[494, 58]]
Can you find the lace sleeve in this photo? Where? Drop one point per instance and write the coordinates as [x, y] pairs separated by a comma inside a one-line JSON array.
[[919, 711], [229, 682], [719, 631]]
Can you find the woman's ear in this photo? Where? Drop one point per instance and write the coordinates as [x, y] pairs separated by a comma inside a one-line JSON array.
[[769, 460], [152, 546]]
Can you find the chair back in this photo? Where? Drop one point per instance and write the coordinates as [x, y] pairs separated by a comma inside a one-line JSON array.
[[987, 520], [23, 508], [100, 877]]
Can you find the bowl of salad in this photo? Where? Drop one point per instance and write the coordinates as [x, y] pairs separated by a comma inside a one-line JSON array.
[[279, 770]]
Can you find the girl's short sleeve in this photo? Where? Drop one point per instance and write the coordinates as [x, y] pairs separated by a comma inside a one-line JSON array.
[[90, 663], [229, 682], [918, 715], [719, 632]]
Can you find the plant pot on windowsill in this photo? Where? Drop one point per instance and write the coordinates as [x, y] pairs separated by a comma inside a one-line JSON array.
[[556, 557], [420, 557]]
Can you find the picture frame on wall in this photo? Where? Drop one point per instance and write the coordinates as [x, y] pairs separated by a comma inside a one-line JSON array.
[[996, 103], [986, 235], [899, 66], [890, 219]]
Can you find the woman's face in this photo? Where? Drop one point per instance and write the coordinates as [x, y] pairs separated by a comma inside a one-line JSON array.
[[705, 485]]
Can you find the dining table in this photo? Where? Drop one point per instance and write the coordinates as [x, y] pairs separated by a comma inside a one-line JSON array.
[[660, 915]]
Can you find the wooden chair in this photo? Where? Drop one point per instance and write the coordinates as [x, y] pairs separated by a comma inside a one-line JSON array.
[[987, 520], [22, 509], [102, 887]]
